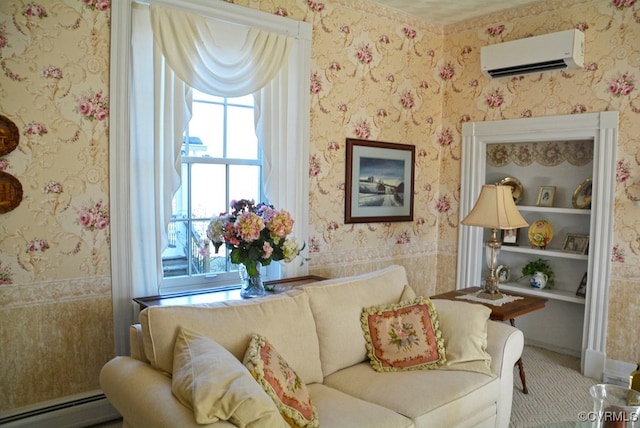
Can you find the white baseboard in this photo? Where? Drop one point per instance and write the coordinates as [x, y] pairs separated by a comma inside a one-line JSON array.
[[78, 411], [618, 372]]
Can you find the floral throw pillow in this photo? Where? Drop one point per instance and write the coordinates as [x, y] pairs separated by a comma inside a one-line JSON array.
[[281, 383], [403, 336]]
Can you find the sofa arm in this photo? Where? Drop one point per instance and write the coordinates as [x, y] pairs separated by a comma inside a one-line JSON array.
[[505, 344], [143, 396]]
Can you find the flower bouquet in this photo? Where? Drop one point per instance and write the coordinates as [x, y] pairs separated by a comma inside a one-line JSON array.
[[255, 235]]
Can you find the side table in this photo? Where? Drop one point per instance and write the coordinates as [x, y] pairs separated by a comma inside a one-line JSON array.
[[506, 312]]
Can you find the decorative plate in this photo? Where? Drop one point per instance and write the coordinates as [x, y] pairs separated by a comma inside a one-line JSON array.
[[503, 273], [9, 136], [540, 233], [582, 195], [10, 192], [516, 187]]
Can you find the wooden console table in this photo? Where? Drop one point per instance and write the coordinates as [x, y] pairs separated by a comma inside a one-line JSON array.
[[220, 295], [507, 312]]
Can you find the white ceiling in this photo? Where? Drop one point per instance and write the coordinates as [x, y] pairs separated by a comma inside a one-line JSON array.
[[445, 12]]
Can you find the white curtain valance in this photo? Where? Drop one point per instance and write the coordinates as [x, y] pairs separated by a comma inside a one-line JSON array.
[[215, 56]]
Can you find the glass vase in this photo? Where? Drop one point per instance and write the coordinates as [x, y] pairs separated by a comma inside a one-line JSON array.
[[250, 286]]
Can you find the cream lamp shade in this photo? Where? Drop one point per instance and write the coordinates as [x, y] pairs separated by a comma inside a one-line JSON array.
[[495, 209]]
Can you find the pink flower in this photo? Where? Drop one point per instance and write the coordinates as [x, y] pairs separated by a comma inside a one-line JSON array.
[[406, 99], [267, 250], [447, 71], [622, 172], [443, 205], [248, 226], [281, 224]]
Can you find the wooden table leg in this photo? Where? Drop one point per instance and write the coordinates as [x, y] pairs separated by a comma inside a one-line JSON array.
[[523, 378]]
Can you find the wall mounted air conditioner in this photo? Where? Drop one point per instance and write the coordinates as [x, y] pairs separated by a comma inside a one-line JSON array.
[[554, 51]]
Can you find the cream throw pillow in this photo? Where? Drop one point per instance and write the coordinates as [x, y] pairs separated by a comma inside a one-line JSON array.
[[217, 386], [464, 330]]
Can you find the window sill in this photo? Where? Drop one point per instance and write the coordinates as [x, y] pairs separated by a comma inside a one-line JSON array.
[[220, 294]]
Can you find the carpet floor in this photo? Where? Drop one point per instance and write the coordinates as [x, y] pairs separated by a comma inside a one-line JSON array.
[[557, 391]]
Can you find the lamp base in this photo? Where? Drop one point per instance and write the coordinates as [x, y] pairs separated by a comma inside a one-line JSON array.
[[490, 289], [489, 296]]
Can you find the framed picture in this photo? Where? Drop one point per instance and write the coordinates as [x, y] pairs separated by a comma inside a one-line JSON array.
[[503, 273], [510, 237], [545, 196], [582, 289], [578, 244], [379, 181]]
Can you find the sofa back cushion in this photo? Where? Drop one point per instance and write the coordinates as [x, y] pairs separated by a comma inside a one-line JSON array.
[[337, 305], [285, 319]]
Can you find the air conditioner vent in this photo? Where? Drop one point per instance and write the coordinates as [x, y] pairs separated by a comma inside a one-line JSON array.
[[561, 50], [529, 68]]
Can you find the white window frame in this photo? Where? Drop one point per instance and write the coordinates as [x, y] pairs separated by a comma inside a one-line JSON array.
[[124, 310]]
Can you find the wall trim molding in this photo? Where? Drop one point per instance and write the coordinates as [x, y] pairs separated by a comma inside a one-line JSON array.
[[80, 411]]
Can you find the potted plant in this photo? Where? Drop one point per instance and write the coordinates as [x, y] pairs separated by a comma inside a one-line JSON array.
[[540, 273]]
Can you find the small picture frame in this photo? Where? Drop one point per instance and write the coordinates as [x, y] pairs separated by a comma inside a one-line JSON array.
[[545, 196], [510, 237], [503, 273], [582, 288], [574, 243]]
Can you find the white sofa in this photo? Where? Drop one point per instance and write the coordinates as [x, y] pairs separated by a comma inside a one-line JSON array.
[[317, 330]]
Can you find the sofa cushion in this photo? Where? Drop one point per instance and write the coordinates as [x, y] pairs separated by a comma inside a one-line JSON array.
[[431, 398], [285, 319], [283, 385], [339, 410], [337, 305], [403, 336], [464, 330], [212, 382]]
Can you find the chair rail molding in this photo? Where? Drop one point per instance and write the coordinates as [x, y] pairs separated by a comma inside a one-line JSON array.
[[602, 129]]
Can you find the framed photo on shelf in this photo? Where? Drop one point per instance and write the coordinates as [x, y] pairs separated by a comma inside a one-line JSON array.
[[510, 237], [379, 181], [574, 243], [545, 196], [582, 288]]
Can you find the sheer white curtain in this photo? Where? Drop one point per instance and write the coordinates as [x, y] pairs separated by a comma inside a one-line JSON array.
[[221, 59]]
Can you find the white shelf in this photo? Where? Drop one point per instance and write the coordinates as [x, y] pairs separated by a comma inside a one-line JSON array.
[[551, 294], [553, 210], [544, 253]]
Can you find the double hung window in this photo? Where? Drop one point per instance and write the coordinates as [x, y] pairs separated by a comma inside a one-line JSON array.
[[221, 161]]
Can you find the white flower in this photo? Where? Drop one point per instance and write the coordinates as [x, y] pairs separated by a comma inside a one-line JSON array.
[[290, 249]]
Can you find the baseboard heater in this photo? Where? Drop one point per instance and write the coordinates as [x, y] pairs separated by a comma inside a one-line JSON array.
[[78, 411]]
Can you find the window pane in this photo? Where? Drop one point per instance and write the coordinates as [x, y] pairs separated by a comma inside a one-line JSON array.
[[174, 261], [207, 124], [208, 188], [242, 142], [180, 201], [247, 100], [244, 182], [201, 96]]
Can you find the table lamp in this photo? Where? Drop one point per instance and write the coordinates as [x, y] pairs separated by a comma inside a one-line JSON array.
[[494, 209]]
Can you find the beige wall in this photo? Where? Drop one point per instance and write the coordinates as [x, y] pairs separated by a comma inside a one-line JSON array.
[[55, 306]]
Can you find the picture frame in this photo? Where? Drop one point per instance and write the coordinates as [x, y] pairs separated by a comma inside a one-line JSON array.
[[546, 195], [582, 288], [510, 237], [574, 243], [503, 273], [379, 181]]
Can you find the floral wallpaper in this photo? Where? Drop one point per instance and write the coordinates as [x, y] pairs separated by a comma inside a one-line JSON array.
[[376, 74], [55, 288]]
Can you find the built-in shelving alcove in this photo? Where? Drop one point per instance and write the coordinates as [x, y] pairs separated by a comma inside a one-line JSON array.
[[569, 323]]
